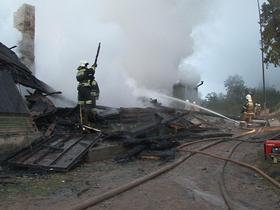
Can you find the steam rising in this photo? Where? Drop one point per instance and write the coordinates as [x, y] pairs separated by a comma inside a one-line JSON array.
[[156, 38], [147, 46], [143, 44]]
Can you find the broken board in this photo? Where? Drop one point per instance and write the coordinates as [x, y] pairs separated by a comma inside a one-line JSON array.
[[58, 153]]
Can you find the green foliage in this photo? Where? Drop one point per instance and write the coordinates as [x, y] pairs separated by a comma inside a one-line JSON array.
[[214, 101], [232, 102], [236, 89], [272, 95], [270, 21]]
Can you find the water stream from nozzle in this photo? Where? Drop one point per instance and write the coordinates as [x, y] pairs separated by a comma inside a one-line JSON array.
[[197, 106]]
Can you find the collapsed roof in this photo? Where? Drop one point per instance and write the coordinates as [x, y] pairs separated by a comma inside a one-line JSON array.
[[20, 73]]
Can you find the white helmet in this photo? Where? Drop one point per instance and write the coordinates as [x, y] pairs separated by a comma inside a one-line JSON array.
[[249, 97], [84, 63]]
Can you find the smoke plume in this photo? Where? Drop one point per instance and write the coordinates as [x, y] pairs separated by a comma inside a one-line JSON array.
[[147, 46], [144, 44]]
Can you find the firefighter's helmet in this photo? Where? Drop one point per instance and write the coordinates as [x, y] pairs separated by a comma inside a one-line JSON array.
[[248, 97], [84, 63]]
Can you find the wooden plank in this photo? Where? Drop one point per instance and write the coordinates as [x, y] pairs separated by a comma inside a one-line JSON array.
[[55, 154]]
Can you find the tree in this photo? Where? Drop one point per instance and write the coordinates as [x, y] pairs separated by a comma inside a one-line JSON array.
[[271, 93], [270, 21], [231, 102], [212, 97], [236, 89], [214, 102]]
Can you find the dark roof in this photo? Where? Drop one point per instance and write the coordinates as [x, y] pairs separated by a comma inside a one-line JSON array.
[[11, 100], [10, 62]]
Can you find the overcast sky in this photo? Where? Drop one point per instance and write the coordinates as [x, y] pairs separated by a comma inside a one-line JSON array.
[[205, 39], [230, 45]]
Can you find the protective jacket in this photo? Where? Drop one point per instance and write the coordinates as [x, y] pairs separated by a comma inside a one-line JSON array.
[[88, 89], [85, 75], [95, 89], [248, 107]]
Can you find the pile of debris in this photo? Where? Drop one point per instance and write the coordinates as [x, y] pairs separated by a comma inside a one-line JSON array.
[[60, 143], [150, 133], [154, 133]]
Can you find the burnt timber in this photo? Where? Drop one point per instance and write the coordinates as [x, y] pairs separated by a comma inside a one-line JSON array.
[[58, 153]]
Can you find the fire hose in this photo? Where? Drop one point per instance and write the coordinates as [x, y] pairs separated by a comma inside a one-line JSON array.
[[114, 192], [95, 200], [259, 171]]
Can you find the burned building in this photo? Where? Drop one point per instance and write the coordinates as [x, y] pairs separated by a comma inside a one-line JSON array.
[[16, 125]]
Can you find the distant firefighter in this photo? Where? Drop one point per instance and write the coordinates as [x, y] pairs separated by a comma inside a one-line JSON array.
[[258, 108], [248, 109]]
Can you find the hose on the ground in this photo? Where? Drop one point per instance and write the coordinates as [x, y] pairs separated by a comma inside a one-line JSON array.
[[97, 199], [259, 171], [114, 192], [222, 184]]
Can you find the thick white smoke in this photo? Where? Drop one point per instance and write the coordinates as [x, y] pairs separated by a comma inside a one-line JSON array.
[[144, 44], [8, 34], [157, 38]]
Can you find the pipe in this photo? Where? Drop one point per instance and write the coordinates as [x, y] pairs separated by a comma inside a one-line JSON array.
[[262, 54], [201, 83], [10, 48]]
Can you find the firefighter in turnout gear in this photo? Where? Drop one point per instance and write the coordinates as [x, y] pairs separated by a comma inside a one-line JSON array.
[[258, 109], [248, 109], [88, 92]]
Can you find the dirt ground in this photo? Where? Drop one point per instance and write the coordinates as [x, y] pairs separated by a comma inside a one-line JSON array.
[[192, 185]]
